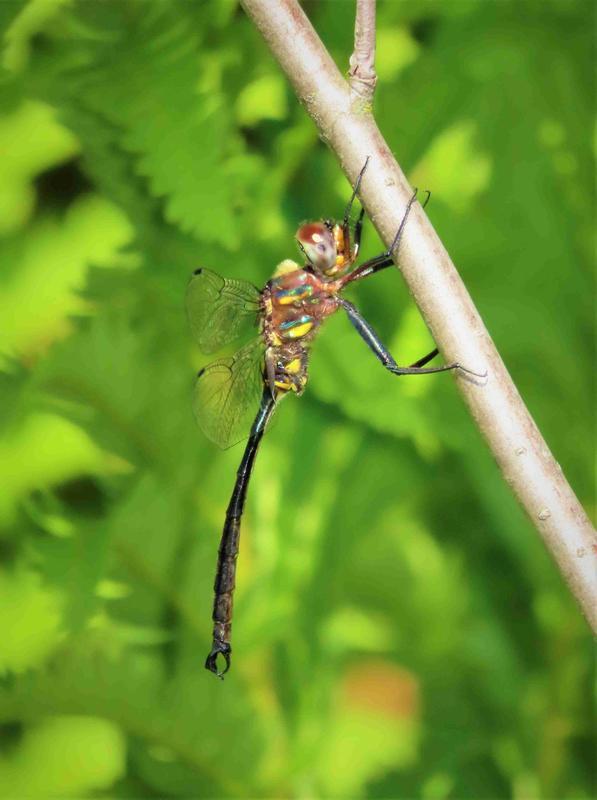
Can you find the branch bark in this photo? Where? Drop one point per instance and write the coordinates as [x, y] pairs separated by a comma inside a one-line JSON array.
[[362, 76], [515, 441]]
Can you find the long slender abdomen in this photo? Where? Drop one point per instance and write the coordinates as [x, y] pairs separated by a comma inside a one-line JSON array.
[[226, 579], [229, 543]]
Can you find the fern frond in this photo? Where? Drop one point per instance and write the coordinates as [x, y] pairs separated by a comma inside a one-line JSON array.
[[146, 84]]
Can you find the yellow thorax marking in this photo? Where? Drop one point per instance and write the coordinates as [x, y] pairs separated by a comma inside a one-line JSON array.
[[293, 296], [293, 366], [284, 267], [299, 330]]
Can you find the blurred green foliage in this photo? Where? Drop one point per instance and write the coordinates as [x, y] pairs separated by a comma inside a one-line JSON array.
[[400, 631]]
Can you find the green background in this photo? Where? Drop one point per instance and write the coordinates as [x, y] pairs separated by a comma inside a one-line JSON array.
[[400, 631]]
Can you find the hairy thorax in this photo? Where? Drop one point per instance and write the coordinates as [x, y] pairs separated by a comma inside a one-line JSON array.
[[295, 303]]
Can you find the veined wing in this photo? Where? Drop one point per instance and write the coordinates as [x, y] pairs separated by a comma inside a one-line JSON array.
[[220, 310], [228, 393]]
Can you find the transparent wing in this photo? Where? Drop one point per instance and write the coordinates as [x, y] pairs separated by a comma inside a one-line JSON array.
[[220, 310], [228, 393]]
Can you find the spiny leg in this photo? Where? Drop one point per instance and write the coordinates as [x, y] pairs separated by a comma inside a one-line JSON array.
[[373, 341], [358, 231], [357, 185], [385, 259], [426, 359], [358, 228]]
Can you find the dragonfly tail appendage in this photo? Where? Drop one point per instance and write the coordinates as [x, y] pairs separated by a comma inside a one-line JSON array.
[[211, 662]]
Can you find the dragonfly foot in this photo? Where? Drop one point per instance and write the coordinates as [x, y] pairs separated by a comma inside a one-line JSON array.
[[481, 375], [211, 663]]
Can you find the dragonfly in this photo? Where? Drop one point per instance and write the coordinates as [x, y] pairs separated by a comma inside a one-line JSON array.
[[238, 394]]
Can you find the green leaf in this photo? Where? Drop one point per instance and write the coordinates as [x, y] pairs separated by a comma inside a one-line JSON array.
[[36, 141], [50, 265], [64, 756], [44, 450], [26, 20], [31, 621], [264, 98], [146, 84]]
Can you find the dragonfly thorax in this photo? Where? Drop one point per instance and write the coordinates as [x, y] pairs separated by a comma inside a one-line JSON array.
[[294, 304]]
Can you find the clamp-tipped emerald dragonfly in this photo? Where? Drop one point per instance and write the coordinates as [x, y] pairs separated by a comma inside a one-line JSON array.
[[282, 320]]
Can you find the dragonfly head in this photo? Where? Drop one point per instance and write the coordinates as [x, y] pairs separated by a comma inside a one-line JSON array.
[[317, 242]]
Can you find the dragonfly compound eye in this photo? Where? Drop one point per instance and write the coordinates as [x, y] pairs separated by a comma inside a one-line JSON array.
[[318, 244]]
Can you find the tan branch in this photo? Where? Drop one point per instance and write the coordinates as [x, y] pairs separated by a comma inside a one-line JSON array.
[[515, 441], [362, 77]]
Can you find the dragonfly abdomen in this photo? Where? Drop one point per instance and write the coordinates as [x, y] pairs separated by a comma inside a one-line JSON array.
[[226, 579], [228, 550], [287, 368]]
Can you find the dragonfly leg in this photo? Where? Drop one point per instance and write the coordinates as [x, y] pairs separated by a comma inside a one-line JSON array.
[[357, 185], [426, 359], [373, 341], [385, 259], [358, 228], [352, 250], [358, 231]]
